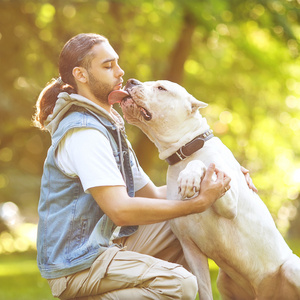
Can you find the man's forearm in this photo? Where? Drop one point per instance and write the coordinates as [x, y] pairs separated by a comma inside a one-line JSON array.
[[143, 211], [124, 210], [152, 191]]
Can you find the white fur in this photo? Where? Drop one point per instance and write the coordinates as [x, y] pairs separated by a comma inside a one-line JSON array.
[[237, 232]]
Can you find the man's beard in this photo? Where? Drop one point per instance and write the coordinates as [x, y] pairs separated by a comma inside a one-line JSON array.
[[99, 89]]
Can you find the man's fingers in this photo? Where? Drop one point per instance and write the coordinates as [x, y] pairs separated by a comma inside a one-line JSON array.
[[210, 171], [227, 187], [244, 170], [221, 176], [227, 179], [251, 184], [248, 179], [224, 179], [222, 173]]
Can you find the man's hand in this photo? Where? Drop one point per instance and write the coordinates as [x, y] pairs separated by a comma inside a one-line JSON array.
[[210, 189], [248, 179]]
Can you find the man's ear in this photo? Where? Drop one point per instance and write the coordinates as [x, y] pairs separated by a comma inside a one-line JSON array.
[[196, 104], [80, 74]]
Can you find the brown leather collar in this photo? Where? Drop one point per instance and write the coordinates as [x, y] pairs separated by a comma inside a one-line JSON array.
[[189, 148]]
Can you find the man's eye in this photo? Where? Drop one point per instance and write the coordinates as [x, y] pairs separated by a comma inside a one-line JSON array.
[[161, 88], [108, 66]]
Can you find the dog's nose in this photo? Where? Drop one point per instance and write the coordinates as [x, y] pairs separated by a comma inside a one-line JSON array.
[[131, 83]]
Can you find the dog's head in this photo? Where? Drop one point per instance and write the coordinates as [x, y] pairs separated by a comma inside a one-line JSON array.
[[159, 108]]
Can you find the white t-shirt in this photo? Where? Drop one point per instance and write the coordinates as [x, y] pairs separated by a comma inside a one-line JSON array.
[[87, 153]]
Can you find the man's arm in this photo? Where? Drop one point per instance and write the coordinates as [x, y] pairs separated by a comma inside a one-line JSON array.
[[124, 210], [150, 190]]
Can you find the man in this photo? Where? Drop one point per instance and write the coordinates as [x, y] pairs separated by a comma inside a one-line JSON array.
[[94, 193]]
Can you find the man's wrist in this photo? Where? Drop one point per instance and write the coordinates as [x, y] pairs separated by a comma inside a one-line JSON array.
[[197, 205]]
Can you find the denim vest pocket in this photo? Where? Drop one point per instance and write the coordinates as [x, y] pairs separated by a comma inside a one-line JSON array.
[[78, 238]]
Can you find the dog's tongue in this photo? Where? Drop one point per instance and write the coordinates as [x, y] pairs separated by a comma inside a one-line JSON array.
[[117, 96]]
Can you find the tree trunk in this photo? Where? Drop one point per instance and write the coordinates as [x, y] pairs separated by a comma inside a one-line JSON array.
[[294, 230], [181, 49], [145, 149]]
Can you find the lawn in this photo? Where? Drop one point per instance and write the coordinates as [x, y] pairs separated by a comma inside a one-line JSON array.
[[20, 278]]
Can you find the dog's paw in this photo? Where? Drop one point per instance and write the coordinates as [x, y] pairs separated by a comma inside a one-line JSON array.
[[189, 179]]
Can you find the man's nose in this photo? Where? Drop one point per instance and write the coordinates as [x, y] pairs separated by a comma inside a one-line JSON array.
[[132, 82], [120, 72]]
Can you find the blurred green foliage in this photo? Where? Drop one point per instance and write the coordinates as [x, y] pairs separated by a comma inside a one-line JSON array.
[[240, 56]]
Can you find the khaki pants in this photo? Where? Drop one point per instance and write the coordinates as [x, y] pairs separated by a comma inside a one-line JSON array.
[[144, 269]]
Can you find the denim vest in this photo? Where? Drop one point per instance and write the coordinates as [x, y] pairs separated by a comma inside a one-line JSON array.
[[73, 231]]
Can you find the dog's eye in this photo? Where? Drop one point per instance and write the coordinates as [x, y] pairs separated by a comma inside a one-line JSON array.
[[161, 88]]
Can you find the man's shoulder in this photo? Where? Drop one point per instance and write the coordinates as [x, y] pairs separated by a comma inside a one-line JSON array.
[[82, 118], [79, 120]]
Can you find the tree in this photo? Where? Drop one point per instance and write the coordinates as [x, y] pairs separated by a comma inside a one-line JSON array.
[[242, 57]]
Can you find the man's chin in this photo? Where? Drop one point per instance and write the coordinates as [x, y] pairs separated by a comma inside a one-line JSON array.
[[117, 87]]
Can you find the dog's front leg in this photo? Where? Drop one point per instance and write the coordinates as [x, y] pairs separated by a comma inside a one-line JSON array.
[[190, 177], [198, 264], [195, 258]]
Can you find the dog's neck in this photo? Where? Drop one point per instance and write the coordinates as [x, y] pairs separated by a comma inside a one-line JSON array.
[[169, 143]]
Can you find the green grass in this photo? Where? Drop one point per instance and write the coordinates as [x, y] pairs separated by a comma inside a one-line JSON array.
[[20, 278]]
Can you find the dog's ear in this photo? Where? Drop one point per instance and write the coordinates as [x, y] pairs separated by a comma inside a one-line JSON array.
[[196, 104]]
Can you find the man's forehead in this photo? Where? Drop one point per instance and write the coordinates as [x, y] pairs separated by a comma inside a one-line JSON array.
[[105, 52]]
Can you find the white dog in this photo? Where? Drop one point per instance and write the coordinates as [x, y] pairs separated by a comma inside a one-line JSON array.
[[237, 232]]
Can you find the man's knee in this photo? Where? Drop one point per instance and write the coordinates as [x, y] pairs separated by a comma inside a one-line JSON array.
[[189, 287], [174, 281]]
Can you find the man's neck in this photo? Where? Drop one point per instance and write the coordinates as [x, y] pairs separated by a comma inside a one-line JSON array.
[[90, 96]]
